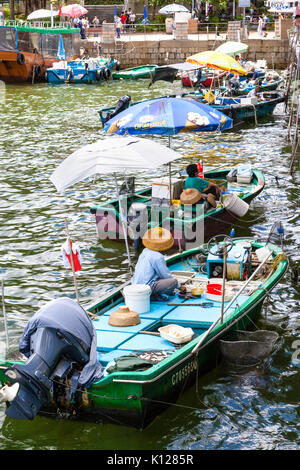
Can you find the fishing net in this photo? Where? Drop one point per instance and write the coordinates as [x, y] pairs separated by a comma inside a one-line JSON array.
[[248, 348]]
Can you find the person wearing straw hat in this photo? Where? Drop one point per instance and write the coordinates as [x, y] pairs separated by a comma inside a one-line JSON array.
[[210, 190], [151, 268]]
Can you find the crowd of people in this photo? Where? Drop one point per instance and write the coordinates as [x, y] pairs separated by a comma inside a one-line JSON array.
[[123, 24]]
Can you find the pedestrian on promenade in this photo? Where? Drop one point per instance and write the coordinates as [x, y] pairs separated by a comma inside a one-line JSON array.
[[124, 20], [297, 25], [96, 22], [260, 26], [118, 27], [132, 18]]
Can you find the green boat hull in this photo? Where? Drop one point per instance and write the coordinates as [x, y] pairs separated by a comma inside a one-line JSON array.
[[134, 73], [135, 398]]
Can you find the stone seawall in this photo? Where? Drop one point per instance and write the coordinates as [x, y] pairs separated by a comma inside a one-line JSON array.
[[161, 52]]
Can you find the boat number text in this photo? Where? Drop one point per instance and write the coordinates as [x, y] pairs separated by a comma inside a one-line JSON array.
[[181, 374]]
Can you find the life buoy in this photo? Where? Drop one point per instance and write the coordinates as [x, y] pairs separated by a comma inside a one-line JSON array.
[[99, 75], [37, 71], [20, 59], [106, 73]]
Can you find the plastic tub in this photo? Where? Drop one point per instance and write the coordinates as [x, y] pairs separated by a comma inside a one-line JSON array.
[[215, 289], [137, 297], [234, 204]]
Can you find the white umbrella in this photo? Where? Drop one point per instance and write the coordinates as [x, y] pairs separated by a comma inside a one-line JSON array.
[[39, 14], [173, 8], [232, 48], [111, 155]]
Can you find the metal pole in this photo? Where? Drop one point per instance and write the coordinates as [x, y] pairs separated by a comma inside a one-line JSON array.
[[124, 226], [4, 317], [170, 183], [72, 260], [223, 283], [230, 303]]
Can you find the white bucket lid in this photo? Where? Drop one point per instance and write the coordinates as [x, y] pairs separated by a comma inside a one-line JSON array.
[[137, 289]]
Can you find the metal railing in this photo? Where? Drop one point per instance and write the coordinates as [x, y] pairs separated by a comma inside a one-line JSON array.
[[138, 27]]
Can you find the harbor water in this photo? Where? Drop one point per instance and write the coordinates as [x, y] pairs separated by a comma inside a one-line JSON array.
[[40, 125]]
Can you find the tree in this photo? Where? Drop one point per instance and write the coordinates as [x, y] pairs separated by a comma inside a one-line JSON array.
[[12, 9]]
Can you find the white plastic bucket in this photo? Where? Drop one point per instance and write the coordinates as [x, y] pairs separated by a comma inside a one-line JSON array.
[[235, 205], [137, 297]]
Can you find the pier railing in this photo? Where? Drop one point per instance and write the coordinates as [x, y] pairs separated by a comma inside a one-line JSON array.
[[203, 28]]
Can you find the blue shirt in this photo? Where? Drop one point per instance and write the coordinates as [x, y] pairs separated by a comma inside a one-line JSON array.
[[151, 267]]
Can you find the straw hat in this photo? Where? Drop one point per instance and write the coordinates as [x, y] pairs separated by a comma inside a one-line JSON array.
[[124, 317], [158, 239], [190, 196]]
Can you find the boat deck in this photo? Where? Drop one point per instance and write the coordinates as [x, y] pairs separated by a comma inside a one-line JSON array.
[[116, 341]]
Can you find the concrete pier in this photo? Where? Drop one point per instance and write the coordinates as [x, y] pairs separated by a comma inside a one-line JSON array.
[[134, 49]]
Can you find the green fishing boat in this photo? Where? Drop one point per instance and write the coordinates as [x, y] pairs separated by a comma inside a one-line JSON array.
[[146, 368], [143, 71], [185, 221]]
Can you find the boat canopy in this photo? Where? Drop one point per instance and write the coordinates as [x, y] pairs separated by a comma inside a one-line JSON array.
[[168, 72], [39, 40], [111, 155]]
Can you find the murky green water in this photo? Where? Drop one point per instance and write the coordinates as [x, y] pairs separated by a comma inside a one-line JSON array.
[[39, 126]]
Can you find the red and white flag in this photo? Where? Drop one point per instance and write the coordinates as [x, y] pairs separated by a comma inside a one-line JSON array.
[[66, 255]]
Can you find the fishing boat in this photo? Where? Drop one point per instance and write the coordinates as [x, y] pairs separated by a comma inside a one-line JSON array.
[[243, 108], [208, 79], [244, 88], [91, 70], [143, 71], [26, 52], [147, 364], [186, 222]]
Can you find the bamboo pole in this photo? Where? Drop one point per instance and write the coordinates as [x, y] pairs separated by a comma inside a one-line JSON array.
[[4, 317], [194, 351]]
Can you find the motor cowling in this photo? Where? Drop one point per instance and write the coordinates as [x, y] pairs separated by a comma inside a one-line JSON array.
[[56, 354], [122, 104]]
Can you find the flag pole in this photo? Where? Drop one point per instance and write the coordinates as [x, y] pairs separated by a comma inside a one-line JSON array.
[[72, 260]]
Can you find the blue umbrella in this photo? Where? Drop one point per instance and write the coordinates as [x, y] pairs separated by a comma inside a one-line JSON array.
[[167, 116], [115, 10], [61, 54], [145, 20], [173, 8]]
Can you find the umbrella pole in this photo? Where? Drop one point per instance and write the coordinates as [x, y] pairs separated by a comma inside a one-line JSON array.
[[124, 226], [170, 183]]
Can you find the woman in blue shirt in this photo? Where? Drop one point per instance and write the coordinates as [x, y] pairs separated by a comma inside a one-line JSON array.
[[203, 186]]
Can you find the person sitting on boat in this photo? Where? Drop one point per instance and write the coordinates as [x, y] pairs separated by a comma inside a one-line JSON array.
[[212, 190], [151, 268], [255, 93]]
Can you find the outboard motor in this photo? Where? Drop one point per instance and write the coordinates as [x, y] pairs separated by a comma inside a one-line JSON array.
[[122, 104], [60, 344], [56, 354], [234, 84]]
